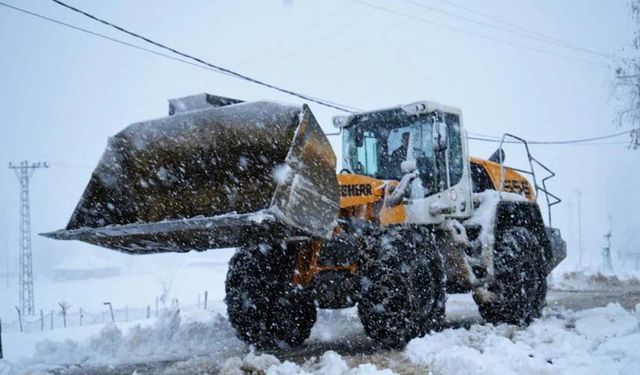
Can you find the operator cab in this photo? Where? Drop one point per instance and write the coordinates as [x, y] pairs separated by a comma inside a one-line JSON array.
[[376, 144]]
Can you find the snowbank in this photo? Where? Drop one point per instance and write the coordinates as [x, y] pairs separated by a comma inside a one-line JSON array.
[[174, 336], [598, 341]]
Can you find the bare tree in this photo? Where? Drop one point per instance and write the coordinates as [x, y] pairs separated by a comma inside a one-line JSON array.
[[627, 82]]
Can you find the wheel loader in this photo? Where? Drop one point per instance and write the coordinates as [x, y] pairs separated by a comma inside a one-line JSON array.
[[409, 218]]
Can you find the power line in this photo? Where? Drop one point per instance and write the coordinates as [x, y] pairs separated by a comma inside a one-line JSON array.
[[477, 35], [518, 33], [77, 28], [550, 144], [115, 40], [215, 67], [507, 23], [485, 138], [131, 45], [499, 20], [490, 138]]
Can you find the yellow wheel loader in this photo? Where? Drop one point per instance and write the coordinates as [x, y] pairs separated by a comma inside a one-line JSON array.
[[410, 217]]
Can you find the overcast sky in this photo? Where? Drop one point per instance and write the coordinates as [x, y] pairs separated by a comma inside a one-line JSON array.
[[62, 93]]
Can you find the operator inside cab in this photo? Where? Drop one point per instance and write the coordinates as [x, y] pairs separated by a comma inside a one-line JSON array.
[[400, 154], [376, 145]]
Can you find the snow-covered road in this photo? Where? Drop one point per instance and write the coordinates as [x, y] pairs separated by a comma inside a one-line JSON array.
[[591, 331]]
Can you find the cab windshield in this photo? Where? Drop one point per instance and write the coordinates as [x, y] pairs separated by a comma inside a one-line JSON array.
[[377, 145]]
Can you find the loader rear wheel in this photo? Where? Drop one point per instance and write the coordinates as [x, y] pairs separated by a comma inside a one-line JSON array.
[[521, 286], [403, 291], [265, 308]]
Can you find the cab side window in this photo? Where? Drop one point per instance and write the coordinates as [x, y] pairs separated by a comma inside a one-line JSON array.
[[456, 165]]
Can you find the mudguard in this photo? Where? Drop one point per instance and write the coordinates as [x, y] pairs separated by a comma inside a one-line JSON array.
[[527, 215]]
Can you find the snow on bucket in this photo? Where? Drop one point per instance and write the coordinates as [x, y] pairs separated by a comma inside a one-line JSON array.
[[207, 178]]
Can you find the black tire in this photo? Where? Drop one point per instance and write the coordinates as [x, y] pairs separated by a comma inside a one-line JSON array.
[[520, 280], [265, 308], [402, 288]]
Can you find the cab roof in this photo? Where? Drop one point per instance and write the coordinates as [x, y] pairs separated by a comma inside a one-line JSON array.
[[400, 111]]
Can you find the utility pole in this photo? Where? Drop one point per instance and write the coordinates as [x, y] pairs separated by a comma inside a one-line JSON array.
[[24, 171], [580, 228], [607, 265]]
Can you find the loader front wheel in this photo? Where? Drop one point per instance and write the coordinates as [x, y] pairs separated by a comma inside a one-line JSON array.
[[517, 295], [403, 291], [265, 308]]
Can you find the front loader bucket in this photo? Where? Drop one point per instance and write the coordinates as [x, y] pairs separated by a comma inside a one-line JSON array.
[[209, 178]]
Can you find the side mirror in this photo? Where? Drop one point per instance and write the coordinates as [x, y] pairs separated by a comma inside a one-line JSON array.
[[440, 136]]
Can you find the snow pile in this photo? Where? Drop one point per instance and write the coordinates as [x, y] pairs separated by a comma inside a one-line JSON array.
[[329, 363], [600, 340], [174, 336], [337, 325], [595, 281]]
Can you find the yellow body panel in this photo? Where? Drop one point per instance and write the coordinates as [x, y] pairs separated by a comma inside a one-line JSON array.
[[356, 190], [359, 194], [514, 182]]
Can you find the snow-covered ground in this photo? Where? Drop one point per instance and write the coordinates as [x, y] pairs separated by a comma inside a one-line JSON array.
[[595, 281], [185, 338], [598, 341]]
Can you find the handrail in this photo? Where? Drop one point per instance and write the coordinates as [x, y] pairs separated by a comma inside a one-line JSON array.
[[551, 199]]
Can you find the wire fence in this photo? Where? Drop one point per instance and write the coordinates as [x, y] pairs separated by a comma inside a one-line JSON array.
[[68, 316]]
